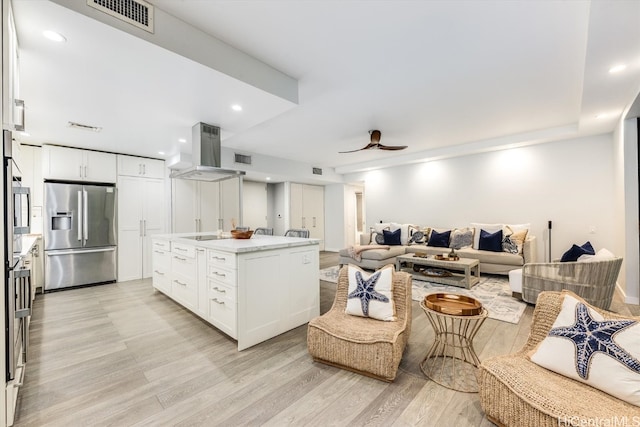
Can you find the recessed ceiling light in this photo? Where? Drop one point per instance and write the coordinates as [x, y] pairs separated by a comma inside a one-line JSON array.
[[161, 153], [236, 107], [54, 36], [182, 140], [268, 178], [617, 68], [602, 116]]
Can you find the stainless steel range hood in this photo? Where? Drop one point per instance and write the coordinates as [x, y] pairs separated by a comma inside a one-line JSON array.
[[205, 153]]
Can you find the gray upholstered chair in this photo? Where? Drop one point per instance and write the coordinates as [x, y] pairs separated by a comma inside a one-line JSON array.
[[361, 344], [297, 232], [263, 231], [594, 281]]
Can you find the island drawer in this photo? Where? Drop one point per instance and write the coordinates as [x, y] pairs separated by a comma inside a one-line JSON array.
[[162, 245], [183, 265], [221, 259], [161, 259], [220, 291], [222, 275], [223, 315], [184, 290], [184, 250], [162, 280]]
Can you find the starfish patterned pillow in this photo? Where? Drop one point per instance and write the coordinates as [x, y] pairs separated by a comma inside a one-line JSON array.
[[371, 294], [604, 354]]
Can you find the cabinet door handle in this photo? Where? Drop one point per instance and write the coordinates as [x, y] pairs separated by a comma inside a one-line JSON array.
[[217, 302], [303, 221], [140, 228], [199, 250], [314, 222], [219, 274], [144, 227], [144, 169], [85, 171], [219, 258], [179, 282], [159, 272], [139, 168], [80, 171], [180, 249], [159, 252], [222, 291], [179, 258]]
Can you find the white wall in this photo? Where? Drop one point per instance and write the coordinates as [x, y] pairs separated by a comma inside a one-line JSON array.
[[626, 207], [569, 182], [334, 217]]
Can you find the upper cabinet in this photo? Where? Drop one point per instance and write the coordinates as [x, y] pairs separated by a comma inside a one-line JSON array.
[[73, 164], [12, 107], [139, 166]]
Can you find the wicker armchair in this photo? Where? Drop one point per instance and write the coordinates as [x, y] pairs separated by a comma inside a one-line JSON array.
[[594, 281], [516, 392], [363, 345]]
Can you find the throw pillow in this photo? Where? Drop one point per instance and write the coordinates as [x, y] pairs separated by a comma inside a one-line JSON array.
[[417, 235], [517, 236], [371, 294], [582, 345], [490, 241], [461, 238], [487, 227], [379, 238], [601, 255], [391, 237], [509, 245], [440, 240], [576, 251]]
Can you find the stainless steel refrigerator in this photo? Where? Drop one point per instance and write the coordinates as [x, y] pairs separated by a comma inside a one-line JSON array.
[[79, 234]]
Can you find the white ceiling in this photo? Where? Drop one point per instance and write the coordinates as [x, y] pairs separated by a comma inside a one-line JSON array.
[[443, 77]]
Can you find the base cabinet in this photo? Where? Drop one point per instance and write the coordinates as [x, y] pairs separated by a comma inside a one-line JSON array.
[[250, 296]]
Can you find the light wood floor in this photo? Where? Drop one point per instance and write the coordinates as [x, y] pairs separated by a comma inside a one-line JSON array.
[[123, 355]]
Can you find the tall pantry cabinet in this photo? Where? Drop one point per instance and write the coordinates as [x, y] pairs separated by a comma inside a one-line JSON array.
[[200, 206], [141, 213], [307, 209]]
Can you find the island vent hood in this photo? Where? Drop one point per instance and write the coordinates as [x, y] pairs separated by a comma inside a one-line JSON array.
[[205, 153]]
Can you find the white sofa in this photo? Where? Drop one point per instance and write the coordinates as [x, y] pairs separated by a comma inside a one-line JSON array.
[[490, 262]]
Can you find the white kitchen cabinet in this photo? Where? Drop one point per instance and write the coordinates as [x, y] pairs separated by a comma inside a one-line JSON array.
[[255, 205], [74, 164], [196, 206], [307, 209], [230, 203], [140, 216], [31, 164], [250, 293], [161, 256], [140, 166]]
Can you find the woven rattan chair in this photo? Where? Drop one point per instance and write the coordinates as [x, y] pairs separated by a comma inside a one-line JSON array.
[[297, 232], [594, 281], [363, 345], [516, 392]]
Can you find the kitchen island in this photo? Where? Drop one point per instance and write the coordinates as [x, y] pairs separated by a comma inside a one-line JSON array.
[[250, 289]]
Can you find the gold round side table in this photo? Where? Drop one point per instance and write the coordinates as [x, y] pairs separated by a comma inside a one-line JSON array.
[[451, 361]]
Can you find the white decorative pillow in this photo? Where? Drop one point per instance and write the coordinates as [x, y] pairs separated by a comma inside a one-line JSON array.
[[491, 228], [604, 354], [371, 294], [517, 236], [417, 235], [601, 255]]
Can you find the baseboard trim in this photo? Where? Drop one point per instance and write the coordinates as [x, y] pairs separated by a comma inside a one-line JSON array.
[[627, 299], [331, 250]]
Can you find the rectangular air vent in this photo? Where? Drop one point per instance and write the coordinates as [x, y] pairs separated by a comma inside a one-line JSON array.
[[317, 171], [135, 12], [242, 158]]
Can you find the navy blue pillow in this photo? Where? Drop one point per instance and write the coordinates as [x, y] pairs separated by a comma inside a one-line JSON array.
[[440, 240], [490, 241], [391, 237], [576, 251]]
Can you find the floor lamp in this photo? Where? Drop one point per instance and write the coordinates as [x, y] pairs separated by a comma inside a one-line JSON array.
[[549, 227]]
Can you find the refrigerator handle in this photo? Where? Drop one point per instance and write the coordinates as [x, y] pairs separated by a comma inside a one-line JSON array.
[[79, 216], [86, 215]]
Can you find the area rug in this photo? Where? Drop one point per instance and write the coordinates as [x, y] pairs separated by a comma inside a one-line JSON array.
[[492, 291]]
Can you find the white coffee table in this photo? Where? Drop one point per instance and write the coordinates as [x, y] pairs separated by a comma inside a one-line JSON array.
[[465, 272]]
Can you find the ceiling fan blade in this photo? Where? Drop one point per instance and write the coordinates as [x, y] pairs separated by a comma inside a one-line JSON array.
[[392, 147], [366, 147]]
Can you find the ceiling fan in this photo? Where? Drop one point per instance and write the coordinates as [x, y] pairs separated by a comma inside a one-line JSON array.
[[375, 144]]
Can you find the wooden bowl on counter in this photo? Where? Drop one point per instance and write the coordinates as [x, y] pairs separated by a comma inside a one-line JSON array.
[[241, 234]]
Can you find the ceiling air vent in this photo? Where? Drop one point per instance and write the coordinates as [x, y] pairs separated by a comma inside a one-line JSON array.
[[135, 12], [317, 171], [84, 127], [242, 158]]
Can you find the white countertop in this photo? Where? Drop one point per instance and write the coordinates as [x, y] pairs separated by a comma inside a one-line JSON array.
[[254, 244]]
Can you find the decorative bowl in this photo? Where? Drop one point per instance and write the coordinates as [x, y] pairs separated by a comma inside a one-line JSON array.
[[241, 234]]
